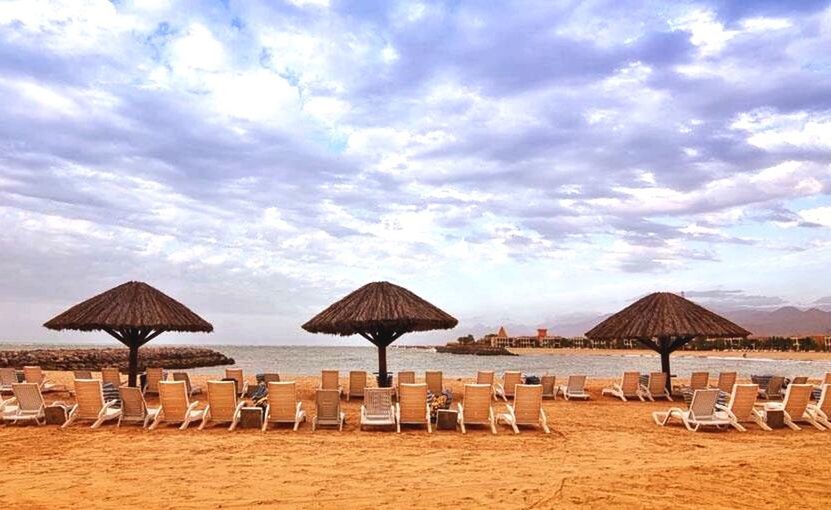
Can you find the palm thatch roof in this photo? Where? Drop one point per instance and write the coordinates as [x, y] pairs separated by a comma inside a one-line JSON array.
[[132, 305], [665, 315], [380, 306]]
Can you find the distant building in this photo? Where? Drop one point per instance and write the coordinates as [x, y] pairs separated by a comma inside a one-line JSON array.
[[542, 339]]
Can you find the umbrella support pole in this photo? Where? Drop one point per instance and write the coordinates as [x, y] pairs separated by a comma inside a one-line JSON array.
[[665, 368], [133, 366], [383, 379]]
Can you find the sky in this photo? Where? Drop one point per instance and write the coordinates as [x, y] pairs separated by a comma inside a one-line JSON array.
[[523, 162]]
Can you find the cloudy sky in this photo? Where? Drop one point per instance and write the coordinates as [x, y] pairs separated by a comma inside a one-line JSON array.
[[524, 162]]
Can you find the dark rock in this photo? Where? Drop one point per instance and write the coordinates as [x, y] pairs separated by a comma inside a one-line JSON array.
[[94, 359]]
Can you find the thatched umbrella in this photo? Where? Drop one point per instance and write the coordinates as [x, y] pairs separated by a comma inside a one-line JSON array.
[[133, 313], [380, 312], [664, 322]]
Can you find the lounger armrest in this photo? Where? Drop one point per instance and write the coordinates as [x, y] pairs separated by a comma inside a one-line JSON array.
[[193, 405], [722, 407], [240, 405], [110, 403], [498, 388], [299, 407]]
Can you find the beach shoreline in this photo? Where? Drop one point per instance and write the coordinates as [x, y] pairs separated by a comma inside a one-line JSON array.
[[774, 355]]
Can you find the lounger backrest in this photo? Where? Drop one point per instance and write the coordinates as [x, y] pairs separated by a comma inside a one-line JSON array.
[[378, 402], [827, 378], [183, 376], [509, 381], [8, 376], [112, 376], [797, 398], [327, 406], [549, 383], [222, 397], [699, 380], [89, 395], [132, 402], [271, 377], [154, 376], [527, 403], [657, 382], [282, 400], [742, 399], [173, 396], [576, 383], [434, 380], [477, 403], [824, 402], [237, 375], [412, 400], [33, 374], [775, 385], [484, 377], [703, 403], [28, 395], [800, 380], [81, 374], [630, 383], [726, 380], [329, 379], [357, 382], [407, 377]]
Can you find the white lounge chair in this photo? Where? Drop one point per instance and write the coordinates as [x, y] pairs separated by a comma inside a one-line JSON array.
[[549, 386], [223, 405], [8, 376], [741, 408], [184, 376], [357, 384], [477, 409], [27, 405], [90, 404], [795, 406], [412, 407], [327, 409], [435, 381], [526, 410], [330, 380], [773, 390], [726, 381], [702, 412], [821, 411], [237, 375], [111, 375], [377, 409], [155, 375], [133, 407], [509, 381], [485, 377], [34, 374], [656, 387], [176, 406], [406, 377], [282, 405], [576, 388], [628, 387]]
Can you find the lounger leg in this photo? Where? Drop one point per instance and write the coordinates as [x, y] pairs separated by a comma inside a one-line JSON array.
[[738, 426], [314, 424], [789, 422], [205, 418], [814, 422], [513, 426], [185, 424], [98, 422], [462, 426]]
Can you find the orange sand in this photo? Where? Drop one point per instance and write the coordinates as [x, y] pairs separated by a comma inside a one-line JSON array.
[[602, 453]]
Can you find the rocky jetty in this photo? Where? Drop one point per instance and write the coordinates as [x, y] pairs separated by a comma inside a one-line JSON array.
[[474, 349], [94, 359]]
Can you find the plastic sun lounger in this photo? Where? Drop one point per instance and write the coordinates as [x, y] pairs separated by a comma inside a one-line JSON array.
[[27, 404], [283, 406], [328, 410], [330, 380], [34, 374], [184, 376], [412, 407], [237, 375], [8, 376], [485, 377], [435, 381], [549, 386], [90, 404], [795, 405], [773, 390], [406, 377], [357, 384], [176, 406], [526, 409], [726, 381], [741, 408], [133, 407], [223, 405], [377, 409], [656, 387], [702, 412], [477, 408], [509, 381], [82, 374], [628, 387], [112, 376], [821, 411], [576, 388], [155, 375]]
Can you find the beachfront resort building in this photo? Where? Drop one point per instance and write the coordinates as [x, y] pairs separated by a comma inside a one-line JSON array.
[[542, 339]]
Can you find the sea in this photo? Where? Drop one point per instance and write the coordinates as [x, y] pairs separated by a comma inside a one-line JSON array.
[[310, 360]]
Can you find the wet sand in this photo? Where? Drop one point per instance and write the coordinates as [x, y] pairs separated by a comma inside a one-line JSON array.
[[602, 453]]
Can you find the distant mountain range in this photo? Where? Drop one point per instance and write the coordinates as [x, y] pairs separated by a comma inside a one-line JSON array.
[[784, 321]]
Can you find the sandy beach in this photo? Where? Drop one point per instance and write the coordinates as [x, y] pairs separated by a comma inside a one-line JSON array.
[[602, 453]]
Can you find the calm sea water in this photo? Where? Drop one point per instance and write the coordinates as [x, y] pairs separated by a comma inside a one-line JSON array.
[[310, 360]]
